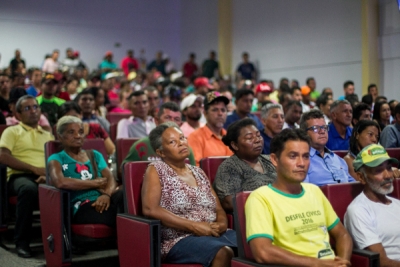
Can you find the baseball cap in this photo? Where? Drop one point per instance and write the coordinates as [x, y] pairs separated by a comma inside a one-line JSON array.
[[202, 81], [189, 100], [49, 77], [214, 96], [305, 90], [372, 156], [263, 88]]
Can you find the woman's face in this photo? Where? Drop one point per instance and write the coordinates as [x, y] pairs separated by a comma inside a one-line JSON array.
[[174, 145], [73, 135], [369, 136], [326, 108], [100, 98], [250, 143], [385, 112]]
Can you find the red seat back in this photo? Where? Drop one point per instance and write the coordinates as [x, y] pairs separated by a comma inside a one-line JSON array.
[[123, 147], [396, 189], [341, 195], [240, 222], [113, 131], [340, 153], [394, 152], [115, 117], [210, 166], [132, 176]]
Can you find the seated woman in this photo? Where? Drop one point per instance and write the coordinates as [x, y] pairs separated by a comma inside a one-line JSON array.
[[94, 198], [194, 225], [365, 133], [381, 114], [247, 169], [90, 130]]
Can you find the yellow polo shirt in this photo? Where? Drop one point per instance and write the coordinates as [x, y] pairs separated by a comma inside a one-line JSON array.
[[26, 144]]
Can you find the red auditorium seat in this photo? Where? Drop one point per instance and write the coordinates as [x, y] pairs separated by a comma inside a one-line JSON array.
[[360, 258], [394, 152], [115, 117], [123, 146], [113, 131], [55, 218], [341, 153], [210, 166], [138, 237]]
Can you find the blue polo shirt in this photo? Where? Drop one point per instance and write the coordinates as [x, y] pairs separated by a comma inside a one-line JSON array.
[[267, 143], [329, 169], [235, 117], [335, 141]]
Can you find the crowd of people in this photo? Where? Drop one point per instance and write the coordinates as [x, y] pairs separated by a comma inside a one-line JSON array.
[[280, 143]]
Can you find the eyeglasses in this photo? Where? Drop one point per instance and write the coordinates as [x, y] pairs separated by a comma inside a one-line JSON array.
[[317, 128], [28, 108]]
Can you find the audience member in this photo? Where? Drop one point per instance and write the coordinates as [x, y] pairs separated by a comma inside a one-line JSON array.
[[129, 63], [284, 216], [390, 136], [262, 94], [292, 114], [367, 99], [373, 91], [192, 109], [246, 169], [228, 94], [141, 150], [348, 88], [158, 64], [273, 119], [325, 166], [339, 130], [381, 114], [4, 93], [246, 70], [16, 63], [243, 100], [70, 63], [153, 97], [297, 96], [22, 150], [327, 91], [107, 65], [71, 87], [99, 101], [139, 124], [51, 65], [190, 68], [210, 67], [392, 104], [36, 83], [353, 100], [312, 84], [123, 106], [202, 86], [361, 112], [372, 218], [206, 141], [181, 197], [324, 103]]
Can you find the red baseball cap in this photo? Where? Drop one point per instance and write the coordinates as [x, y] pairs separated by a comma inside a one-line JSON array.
[[202, 81], [263, 88]]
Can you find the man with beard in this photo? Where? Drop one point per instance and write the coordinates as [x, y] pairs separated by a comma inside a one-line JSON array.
[[372, 219], [206, 141], [192, 108]]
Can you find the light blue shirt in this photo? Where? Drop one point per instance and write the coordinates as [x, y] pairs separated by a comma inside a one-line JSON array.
[[329, 169]]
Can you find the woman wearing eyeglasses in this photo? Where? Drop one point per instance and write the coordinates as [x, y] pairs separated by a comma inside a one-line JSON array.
[[325, 166]]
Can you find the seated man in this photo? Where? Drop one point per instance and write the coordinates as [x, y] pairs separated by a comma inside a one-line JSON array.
[[141, 150], [272, 118], [206, 141], [289, 222], [292, 111], [339, 130], [361, 112], [139, 124], [325, 166], [372, 219], [22, 150]]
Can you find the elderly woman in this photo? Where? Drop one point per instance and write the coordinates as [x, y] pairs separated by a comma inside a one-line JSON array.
[[94, 198], [90, 130], [194, 225], [247, 169]]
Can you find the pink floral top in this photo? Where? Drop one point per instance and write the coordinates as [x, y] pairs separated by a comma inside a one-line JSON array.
[[193, 203]]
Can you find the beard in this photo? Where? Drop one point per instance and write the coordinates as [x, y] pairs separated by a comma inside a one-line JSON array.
[[195, 117], [377, 186]]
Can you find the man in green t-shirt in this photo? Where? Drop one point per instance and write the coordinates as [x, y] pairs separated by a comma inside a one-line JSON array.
[[141, 150]]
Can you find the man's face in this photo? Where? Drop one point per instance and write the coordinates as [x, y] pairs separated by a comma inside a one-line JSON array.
[[343, 114], [349, 90], [70, 54], [292, 165], [293, 114], [216, 114], [378, 179], [312, 84], [297, 96], [366, 115], [17, 53], [139, 106], [194, 111], [29, 113], [55, 55], [246, 58], [153, 98], [169, 115], [4, 83], [243, 105], [86, 103], [37, 77], [319, 138], [273, 123], [373, 91], [49, 88], [392, 107]]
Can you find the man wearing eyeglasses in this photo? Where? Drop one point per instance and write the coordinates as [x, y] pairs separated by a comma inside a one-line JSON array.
[[22, 150], [325, 166]]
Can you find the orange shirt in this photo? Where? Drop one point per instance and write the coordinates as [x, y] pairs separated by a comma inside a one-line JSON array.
[[205, 144]]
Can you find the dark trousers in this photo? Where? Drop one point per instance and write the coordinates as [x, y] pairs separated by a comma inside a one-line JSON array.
[[26, 190], [87, 214]]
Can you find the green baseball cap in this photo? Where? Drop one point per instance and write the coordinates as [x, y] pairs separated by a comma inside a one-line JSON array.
[[372, 156]]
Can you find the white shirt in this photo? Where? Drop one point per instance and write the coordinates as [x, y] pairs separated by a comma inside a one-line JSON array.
[[371, 223], [135, 127], [50, 66], [285, 125]]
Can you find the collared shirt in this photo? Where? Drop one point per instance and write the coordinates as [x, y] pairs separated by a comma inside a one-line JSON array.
[[135, 127], [327, 169], [235, 117], [187, 129], [267, 143], [335, 141], [26, 144], [390, 136], [205, 144]]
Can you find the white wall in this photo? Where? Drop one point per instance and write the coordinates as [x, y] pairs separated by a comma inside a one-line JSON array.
[[299, 39], [390, 48]]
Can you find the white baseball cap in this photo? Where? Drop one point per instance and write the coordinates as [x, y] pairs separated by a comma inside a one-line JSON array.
[[189, 100]]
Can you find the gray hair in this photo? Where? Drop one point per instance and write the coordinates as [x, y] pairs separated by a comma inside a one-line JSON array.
[[64, 121], [155, 135], [336, 103], [267, 108], [312, 114], [18, 106]]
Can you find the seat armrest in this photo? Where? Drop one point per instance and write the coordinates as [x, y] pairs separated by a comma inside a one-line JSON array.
[[365, 258], [138, 241], [240, 262], [3, 196]]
